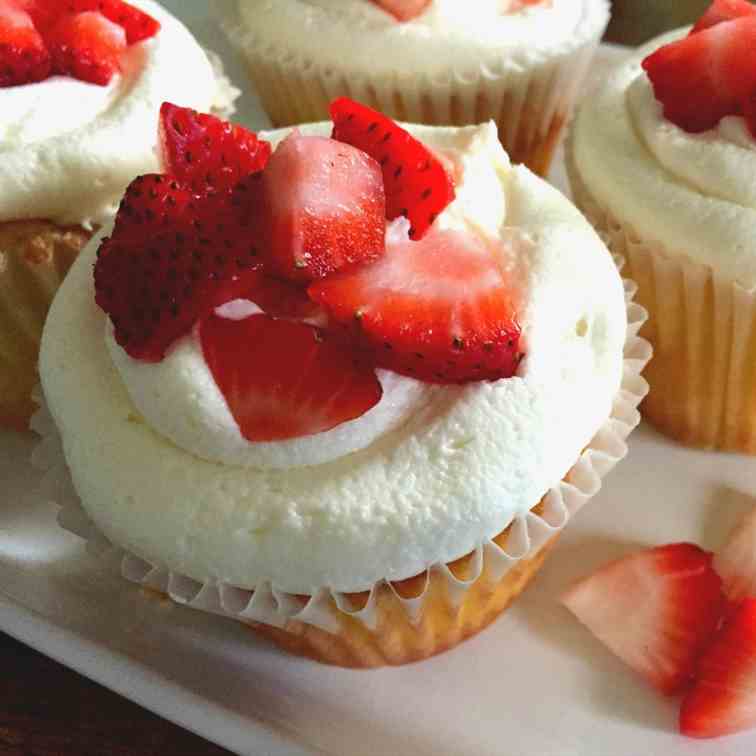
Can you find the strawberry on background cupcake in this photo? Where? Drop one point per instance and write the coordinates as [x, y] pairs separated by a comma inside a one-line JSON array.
[[314, 379], [441, 62], [662, 161], [81, 84]]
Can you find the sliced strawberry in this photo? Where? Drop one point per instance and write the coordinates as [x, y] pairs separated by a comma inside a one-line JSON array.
[[735, 562], [656, 610], [724, 10], [403, 10], [321, 207], [706, 76], [208, 153], [417, 185], [23, 56], [723, 700], [87, 46], [279, 298], [284, 380], [137, 24], [440, 309]]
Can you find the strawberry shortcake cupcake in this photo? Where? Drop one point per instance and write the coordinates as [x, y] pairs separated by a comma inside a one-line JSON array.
[[81, 84], [663, 161], [518, 62], [345, 382]]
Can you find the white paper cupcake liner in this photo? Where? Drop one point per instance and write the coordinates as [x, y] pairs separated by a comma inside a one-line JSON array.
[[703, 330], [525, 538], [530, 97]]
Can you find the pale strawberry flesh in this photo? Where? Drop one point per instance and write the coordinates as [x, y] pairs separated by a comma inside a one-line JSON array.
[[735, 562], [724, 10], [723, 700], [24, 58], [285, 380], [416, 182], [403, 10], [321, 206], [440, 309], [209, 154], [656, 610]]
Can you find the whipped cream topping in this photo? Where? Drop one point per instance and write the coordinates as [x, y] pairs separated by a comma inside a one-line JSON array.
[[450, 36], [68, 149], [693, 193], [462, 464]]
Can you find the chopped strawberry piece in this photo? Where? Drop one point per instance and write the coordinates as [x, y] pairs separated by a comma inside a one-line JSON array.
[[279, 298], [724, 10], [208, 153], [44, 13], [706, 76], [403, 10], [656, 610], [417, 185], [723, 700], [23, 56], [440, 309], [735, 562], [321, 207], [284, 380], [168, 264], [87, 46]]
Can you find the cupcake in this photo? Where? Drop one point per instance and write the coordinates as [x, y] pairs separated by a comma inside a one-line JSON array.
[[662, 162], [80, 88], [346, 390], [441, 62]]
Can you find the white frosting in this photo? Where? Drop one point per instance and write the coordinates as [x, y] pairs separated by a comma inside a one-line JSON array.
[[693, 193], [68, 149], [462, 466], [450, 36]]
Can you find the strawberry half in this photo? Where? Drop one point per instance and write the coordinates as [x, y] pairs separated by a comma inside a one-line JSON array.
[[403, 10], [417, 185], [320, 205], [156, 276], [23, 56], [87, 46], [723, 700], [724, 10], [137, 24], [656, 610], [706, 76], [735, 562], [439, 309], [285, 380], [206, 152]]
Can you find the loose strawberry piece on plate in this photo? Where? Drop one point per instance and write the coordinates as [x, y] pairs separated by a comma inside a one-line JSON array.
[[321, 207], [417, 184], [155, 277], [403, 10], [87, 46], [285, 380], [724, 10], [656, 610], [23, 56], [440, 309], [210, 154], [723, 700], [706, 76], [735, 562]]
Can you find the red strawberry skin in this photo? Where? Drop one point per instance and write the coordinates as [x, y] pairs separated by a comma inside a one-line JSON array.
[[137, 24], [416, 182], [723, 699], [724, 10], [403, 10], [656, 610], [209, 154], [285, 380], [706, 76], [87, 46], [24, 58], [321, 206], [439, 309]]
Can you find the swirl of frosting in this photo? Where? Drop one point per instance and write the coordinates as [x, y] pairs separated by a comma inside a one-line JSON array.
[[68, 149]]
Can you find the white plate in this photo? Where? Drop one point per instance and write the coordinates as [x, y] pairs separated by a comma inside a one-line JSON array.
[[533, 684]]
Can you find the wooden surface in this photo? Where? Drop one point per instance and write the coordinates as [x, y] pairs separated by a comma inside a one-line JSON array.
[[48, 710]]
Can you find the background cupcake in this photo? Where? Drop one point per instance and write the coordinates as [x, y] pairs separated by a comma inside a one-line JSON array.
[[662, 162], [74, 130], [518, 62]]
